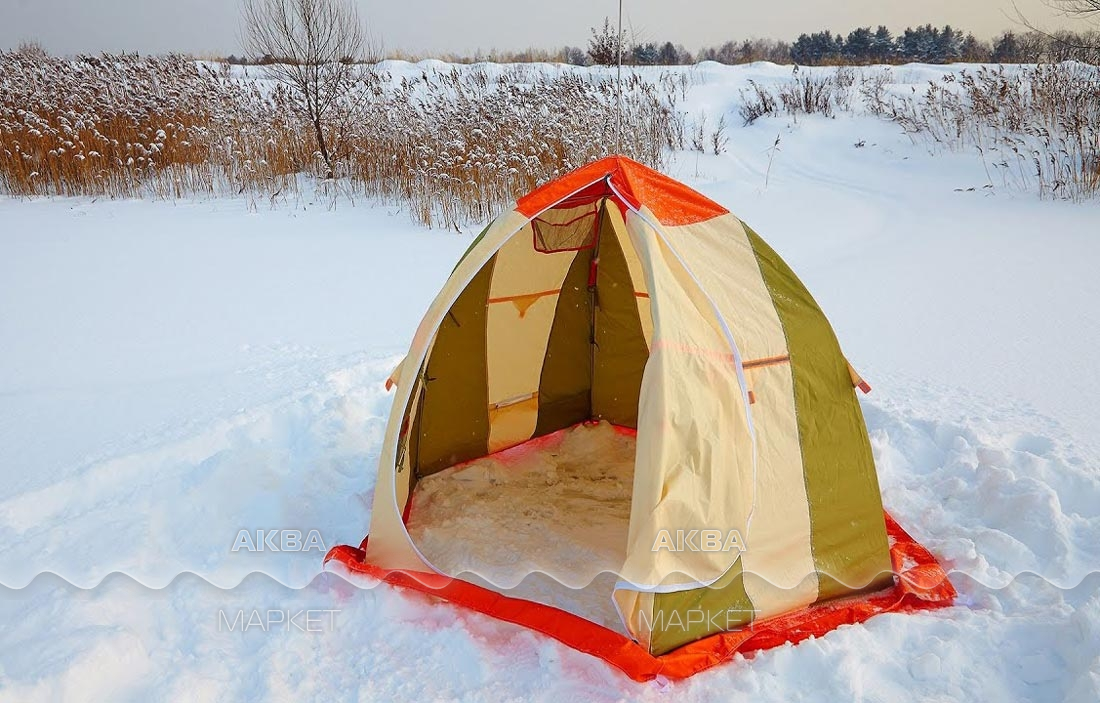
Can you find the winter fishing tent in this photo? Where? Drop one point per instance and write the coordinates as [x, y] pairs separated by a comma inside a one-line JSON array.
[[751, 514]]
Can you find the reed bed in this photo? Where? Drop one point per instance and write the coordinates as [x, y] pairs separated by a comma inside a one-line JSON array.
[[1036, 127], [451, 145]]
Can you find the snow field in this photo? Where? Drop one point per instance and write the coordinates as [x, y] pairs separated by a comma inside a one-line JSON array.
[[172, 373]]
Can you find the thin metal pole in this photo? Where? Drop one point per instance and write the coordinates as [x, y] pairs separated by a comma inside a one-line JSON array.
[[619, 82]]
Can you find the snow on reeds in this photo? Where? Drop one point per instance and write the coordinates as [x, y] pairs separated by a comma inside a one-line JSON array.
[[124, 126], [1036, 127], [459, 144], [453, 146]]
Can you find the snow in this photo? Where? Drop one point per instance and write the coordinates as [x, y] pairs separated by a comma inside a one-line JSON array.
[[198, 361], [173, 373], [564, 503]]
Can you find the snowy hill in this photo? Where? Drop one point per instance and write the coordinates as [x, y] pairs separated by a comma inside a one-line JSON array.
[[172, 373]]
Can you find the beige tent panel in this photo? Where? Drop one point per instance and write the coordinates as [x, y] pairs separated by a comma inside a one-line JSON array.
[[694, 464], [522, 301], [778, 555]]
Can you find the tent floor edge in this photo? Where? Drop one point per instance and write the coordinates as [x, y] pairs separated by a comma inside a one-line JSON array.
[[920, 584]]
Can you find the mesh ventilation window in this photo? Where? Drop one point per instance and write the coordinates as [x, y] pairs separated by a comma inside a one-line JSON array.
[[565, 230]]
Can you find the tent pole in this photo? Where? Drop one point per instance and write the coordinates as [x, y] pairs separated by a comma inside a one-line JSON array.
[[619, 86]]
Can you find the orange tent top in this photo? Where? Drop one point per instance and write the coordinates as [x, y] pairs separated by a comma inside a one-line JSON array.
[[672, 202]]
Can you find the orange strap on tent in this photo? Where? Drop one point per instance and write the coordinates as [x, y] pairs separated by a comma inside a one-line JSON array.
[[920, 584], [395, 375], [857, 380]]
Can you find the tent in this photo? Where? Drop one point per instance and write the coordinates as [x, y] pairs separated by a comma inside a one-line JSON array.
[[616, 297]]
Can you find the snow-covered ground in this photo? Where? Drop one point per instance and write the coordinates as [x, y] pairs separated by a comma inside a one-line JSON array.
[[564, 502], [173, 373]]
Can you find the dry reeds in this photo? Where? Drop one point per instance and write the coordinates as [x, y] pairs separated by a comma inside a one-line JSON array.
[[453, 145], [1037, 128], [124, 126], [459, 144], [809, 92]]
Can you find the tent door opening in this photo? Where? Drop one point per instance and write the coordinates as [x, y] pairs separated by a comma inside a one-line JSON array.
[[521, 434]]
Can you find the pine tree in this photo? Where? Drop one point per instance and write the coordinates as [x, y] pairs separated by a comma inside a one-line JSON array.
[[814, 49], [883, 49], [929, 40], [645, 54], [948, 47], [907, 44], [974, 51], [919, 44], [1006, 49], [860, 45], [802, 51], [669, 56], [603, 47]]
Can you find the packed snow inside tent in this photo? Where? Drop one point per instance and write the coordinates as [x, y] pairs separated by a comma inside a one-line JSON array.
[[558, 508]]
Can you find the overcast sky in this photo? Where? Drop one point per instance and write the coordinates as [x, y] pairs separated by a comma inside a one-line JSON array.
[[425, 26]]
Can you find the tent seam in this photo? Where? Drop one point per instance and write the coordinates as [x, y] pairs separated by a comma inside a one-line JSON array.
[[794, 396]]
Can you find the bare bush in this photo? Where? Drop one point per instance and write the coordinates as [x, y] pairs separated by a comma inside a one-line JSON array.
[[759, 103], [607, 46], [844, 79], [719, 140], [872, 90], [699, 133], [807, 93]]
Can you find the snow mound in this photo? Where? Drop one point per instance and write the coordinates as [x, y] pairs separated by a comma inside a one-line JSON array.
[[299, 463], [996, 494]]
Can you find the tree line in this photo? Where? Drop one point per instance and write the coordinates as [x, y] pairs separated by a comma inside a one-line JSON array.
[[863, 45]]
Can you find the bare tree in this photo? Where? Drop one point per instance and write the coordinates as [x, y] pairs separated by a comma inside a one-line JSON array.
[[1076, 7], [1084, 47], [311, 46]]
